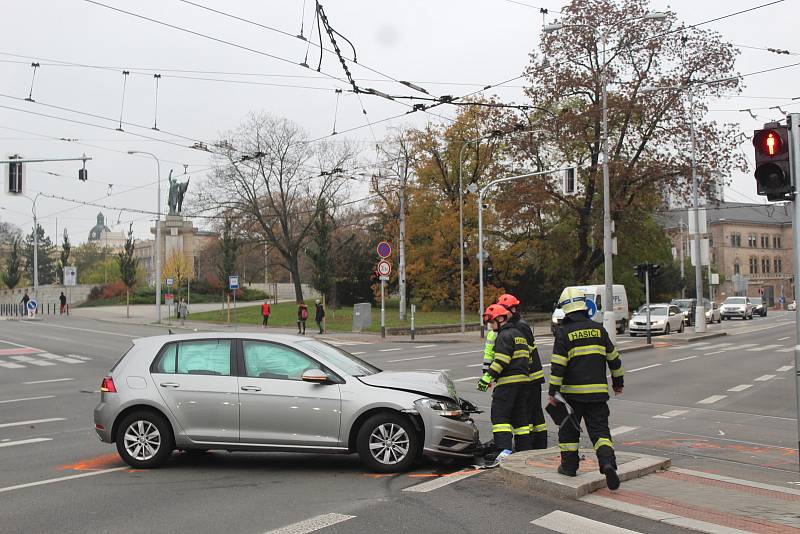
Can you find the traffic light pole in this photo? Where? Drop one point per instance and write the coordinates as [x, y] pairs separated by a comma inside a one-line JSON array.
[[647, 299], [793, 120]]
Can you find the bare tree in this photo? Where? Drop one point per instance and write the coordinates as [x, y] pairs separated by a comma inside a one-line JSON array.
[[272, 179]]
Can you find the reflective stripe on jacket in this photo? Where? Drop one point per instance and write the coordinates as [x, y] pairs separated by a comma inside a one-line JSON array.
[[511, 356]]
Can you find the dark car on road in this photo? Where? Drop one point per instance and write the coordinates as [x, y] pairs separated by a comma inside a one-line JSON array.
[[759, 306]]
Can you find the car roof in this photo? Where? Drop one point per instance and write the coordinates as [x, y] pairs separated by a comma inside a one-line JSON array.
[[160, 340]]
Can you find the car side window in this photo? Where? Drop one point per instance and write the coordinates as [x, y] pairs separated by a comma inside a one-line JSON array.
[[199, 357], [271, 360]]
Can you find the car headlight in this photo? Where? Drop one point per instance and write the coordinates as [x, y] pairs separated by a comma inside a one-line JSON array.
[[445, 408]]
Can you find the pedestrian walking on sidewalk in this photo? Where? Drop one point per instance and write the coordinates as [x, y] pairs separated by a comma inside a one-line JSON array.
[[538, 426], [509, 372], [183, 311], [63, 300], [581, 352], [302, 317], [319, 315], [264, 314], [24, 301]]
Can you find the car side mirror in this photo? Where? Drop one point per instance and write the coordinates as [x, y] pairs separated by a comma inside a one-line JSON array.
[[317, 376], [671, 314]]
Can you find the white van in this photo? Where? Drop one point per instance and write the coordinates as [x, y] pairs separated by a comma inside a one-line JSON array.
[[596, 294]]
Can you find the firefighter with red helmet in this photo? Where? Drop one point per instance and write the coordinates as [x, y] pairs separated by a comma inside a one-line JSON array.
[[538, 426], [509, 371]]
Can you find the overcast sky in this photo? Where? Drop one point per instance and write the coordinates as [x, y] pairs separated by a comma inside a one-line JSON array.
[[447, 46]]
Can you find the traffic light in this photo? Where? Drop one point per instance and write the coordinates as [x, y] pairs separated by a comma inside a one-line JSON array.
[[773, 172], [83, 175], [15, 177], [639, 270], [655, 270]]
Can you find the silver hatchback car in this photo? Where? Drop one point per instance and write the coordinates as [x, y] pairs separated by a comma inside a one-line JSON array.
[[256, 392]]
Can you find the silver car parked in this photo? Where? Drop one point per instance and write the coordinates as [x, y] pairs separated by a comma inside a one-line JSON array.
[[256, 392]]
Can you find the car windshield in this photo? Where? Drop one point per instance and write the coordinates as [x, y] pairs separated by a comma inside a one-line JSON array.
[[756, 301], [654, 310], [683, 304], [736, 300], [337, 357]]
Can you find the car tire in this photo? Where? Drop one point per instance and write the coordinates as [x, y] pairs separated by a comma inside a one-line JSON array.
[[681, 329], [666, 329], [388, 443], [633, 334], [156, 432], [624, 326]]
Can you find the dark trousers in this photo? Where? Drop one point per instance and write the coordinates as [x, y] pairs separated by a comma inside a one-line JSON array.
[[536, 419], [595, 415], [301, 326], [265, 320], [319, 325], [510, 417]]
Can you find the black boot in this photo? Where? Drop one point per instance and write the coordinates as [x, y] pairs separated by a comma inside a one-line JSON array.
[[612, 479], [539, 440], [569, 463]]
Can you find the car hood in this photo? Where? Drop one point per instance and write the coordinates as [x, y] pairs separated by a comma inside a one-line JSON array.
[[643, 317], [423, 382]]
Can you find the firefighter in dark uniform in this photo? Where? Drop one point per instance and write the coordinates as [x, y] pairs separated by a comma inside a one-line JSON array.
[[509, 372], [538, 427], [581, 352]]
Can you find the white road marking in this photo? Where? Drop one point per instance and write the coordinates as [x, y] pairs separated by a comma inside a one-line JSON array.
[[31, 422], [712, 399], [434, 370], [81, 329], [785, 338], [68, 360], [474, 365], [41, 363], [715, 352], [465, 352], [437, 483], [48, 381], [682, 359], [762, 348], [389, 350], [718, 346], [787, 349], [741, 387], [670, 414], [14, 344], [424, 346], [22, 358], [11, 365], [567, 523], [61, 479], [784, 368], [27, 399], [690, 345], [312, 525], [357, 353], [622, 430], [645, 367], [410, 359], [23, 442], [764, 378], [745, 345], [546, 365], [464, 379]]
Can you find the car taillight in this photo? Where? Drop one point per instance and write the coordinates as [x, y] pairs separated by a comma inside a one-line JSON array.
[[107, 386]]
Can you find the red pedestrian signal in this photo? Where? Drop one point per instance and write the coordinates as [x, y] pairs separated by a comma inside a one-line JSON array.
[[773, 170]]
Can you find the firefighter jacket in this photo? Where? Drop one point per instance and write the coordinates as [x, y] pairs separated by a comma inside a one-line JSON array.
[[581, 352], [536, 374], [510, 364], [488, 349]]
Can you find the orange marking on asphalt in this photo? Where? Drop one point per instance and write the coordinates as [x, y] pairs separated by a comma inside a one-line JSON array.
[[376, 475], [95, 464]]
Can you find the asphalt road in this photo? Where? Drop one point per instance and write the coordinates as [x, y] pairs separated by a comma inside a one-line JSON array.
[[726, 405]]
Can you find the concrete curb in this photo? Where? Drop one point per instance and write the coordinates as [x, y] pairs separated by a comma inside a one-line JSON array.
[[623, 350], [516, 470], [699, 337]]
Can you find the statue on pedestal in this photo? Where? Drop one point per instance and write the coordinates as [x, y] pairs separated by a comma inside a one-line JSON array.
[[176, 194]]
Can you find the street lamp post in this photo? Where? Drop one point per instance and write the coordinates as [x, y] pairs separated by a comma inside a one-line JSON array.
[[609, 320], [481, 195], [158, 233]]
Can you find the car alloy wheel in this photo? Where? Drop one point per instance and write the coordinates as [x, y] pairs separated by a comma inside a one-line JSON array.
[[142, 440], [389, 444]]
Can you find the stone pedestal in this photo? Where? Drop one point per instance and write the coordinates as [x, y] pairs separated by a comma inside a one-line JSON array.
[[178, 234]]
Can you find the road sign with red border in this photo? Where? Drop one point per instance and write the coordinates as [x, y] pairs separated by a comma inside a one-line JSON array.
[[384, 268], [384, 249]]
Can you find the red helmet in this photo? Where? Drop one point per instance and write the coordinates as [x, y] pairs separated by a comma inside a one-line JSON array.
[[494, 311], [508, 300]]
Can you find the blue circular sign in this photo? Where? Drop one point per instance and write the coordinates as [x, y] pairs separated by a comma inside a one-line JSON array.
[[384, 249], [32, 305], [591, 308]]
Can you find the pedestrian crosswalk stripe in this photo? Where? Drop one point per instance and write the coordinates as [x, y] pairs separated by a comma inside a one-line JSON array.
[[566, 523], [762, 348], [764, 378], [313, 524], [622, 430], [684, 346], [785, 368], [718, 346], [712, 399], [670, 414], [741, 387], [11, 365]]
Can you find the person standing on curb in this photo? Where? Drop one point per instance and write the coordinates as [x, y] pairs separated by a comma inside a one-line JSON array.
[[302, 316], [319, 315], [264, 314], [581, 352], [24, 301], [63, 300], [509, 372], [183, 311], [538, 426]]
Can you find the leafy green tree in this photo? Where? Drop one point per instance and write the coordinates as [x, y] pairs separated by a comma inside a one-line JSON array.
[[64, 260], [128, 268], [13, 272], [45, 256], [320, 250]]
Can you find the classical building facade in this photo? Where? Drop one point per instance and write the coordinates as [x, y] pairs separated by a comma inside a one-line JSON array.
[[750, 246], [104, 237]]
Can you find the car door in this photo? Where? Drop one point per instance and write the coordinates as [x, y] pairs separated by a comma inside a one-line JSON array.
[[675, 318], [196, 382], [277, 407]]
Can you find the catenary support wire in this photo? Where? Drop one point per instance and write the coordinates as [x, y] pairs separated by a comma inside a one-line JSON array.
[[125, 74], [35, 66]]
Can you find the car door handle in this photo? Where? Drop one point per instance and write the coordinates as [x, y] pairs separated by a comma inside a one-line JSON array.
[[170, 385], [251, 388]]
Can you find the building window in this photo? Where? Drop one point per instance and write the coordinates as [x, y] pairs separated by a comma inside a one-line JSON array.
[[765, 265], [752, 240], [753, 265], [778, 265], [736, 240], [776, 241], [736, 269], [764, 241]]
